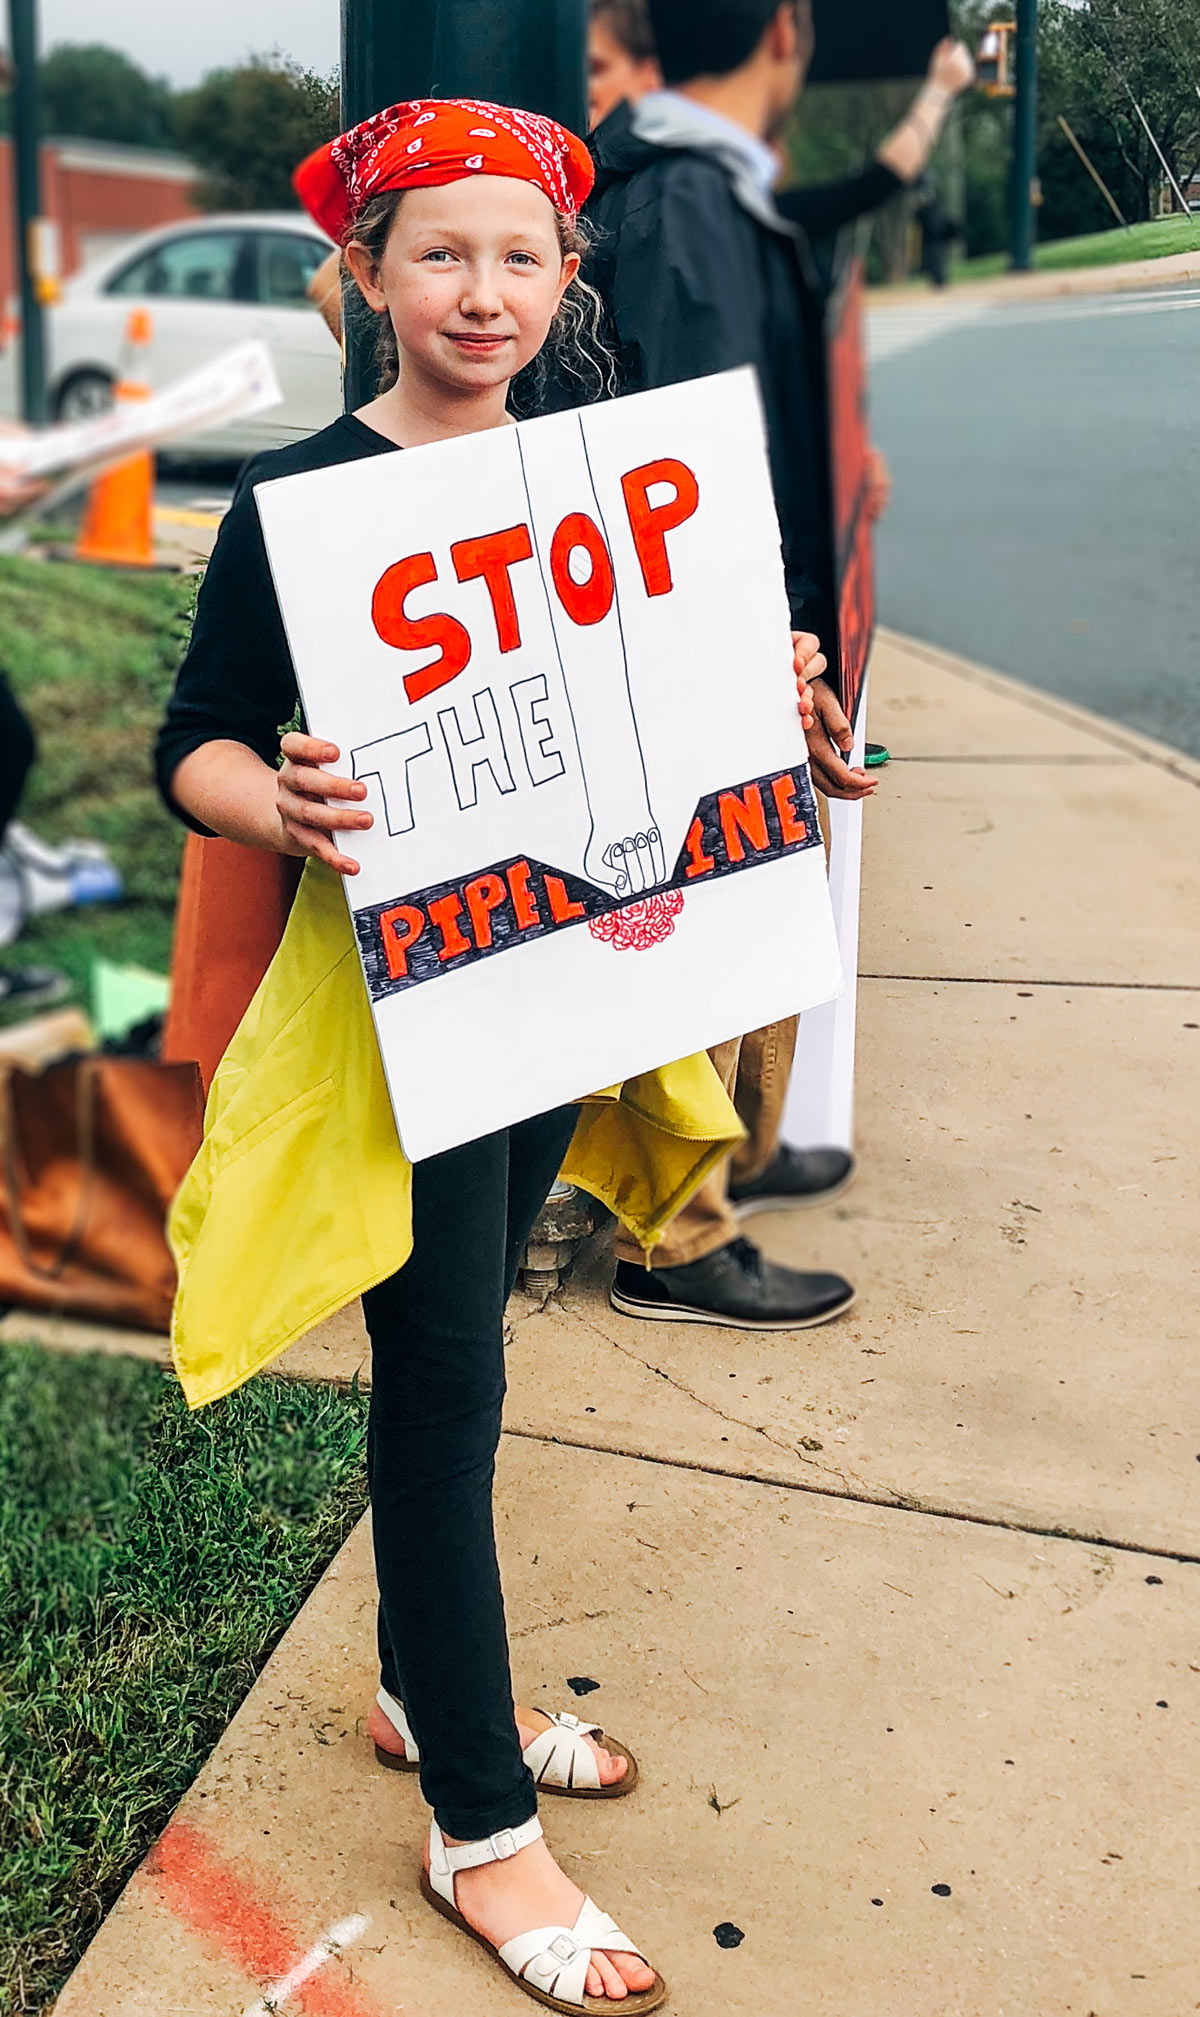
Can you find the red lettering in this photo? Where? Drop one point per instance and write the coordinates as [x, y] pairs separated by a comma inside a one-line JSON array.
[[699, 862], [562, 910], [399, 928], [489, 559], [740, 816], [522, 896], [444, 914], [584, 601], [484, 895], [650, 523], [783, 791], [407, 633]]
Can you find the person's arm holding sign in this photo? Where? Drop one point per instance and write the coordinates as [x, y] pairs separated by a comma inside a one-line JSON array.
[[299, 809]]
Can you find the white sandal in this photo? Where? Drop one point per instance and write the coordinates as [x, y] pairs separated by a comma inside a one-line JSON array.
[[560, 1760], [550, 1964]]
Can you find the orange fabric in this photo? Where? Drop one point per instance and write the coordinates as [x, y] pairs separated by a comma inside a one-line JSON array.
[[431, 141], [233, 905]]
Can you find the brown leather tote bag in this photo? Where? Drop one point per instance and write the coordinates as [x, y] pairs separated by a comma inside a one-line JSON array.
[[92, 1151]]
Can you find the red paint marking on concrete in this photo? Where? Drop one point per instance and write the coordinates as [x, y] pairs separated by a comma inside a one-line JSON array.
[[222, 1907]]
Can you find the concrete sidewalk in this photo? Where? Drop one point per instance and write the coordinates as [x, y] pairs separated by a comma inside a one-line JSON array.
[[902, 1616], [1046, 284]]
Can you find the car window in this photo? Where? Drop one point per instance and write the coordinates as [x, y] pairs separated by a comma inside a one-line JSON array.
[[197, 266], [287, 261]]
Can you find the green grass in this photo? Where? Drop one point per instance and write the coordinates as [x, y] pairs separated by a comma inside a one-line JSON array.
[[149, 1561], [92, 655], [1157, 240]]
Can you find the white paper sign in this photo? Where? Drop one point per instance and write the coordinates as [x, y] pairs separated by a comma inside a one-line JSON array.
[[559, 655], [239, 382], [820, 1104]]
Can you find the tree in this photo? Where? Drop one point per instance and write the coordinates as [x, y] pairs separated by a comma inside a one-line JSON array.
[[1106, 58], [247, 129], [95, 93]]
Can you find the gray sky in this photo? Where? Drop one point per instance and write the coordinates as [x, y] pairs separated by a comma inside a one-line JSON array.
[[183, 41]]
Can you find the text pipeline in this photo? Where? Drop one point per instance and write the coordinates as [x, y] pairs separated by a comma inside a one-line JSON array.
[[437, 930]]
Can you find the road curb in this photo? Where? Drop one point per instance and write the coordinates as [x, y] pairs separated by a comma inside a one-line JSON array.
[[1115, 734]]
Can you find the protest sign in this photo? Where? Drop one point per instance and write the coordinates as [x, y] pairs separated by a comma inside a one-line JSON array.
[[820, 1102], [864, 41], [850, 448], [237, 383], [559, 656]]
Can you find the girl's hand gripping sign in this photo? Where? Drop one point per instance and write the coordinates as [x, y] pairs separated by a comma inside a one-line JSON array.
[[559, 656]]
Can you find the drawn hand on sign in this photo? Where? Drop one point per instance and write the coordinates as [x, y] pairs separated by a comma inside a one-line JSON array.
[[624, 853], [629, 866]]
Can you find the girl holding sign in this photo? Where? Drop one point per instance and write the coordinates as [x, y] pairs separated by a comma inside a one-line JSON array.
[[458, 220]]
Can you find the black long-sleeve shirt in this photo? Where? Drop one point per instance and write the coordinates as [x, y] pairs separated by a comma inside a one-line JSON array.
[[237, 682], [824, 208], [694, 283]]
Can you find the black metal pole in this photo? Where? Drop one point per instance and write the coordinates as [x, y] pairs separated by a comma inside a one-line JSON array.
[[514, 52], [22, 30], [1024, 164]]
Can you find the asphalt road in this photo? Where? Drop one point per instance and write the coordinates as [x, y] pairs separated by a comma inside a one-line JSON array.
[[1047, 507]]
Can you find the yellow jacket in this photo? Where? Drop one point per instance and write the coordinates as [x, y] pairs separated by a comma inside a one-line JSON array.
[[300, 1197]]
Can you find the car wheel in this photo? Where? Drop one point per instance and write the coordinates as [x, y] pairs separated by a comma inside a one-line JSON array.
[[84, 396]]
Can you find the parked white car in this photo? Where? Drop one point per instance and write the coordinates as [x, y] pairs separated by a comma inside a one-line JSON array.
[[206, 286]]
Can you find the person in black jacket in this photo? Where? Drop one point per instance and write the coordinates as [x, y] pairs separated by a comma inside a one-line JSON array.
[[699, 274]]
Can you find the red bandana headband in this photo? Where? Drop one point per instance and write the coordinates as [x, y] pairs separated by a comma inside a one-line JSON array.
[[432, 141]]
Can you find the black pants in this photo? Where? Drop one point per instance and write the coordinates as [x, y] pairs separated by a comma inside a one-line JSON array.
[[437, 1345]]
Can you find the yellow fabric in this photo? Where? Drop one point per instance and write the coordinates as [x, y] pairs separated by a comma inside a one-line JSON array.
[[300, 1197]]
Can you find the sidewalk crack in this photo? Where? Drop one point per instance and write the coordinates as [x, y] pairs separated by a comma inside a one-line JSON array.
[[846, 1479]]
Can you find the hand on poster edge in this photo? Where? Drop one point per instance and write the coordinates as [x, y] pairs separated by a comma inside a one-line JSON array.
[[810, 662], [17, 490], [829, 739], [308, 821]]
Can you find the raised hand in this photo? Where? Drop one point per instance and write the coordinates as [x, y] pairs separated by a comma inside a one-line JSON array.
[[951, 67]]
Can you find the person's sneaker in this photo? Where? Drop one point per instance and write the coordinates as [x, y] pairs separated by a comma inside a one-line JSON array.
[[736, 1286], [875, 755], [794, 1177], [30, 987]]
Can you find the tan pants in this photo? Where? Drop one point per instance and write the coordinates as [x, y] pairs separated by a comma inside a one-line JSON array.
[[754, 1071]]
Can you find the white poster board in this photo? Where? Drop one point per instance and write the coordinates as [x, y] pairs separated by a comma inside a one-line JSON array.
[[819, 1112], [559, 655]]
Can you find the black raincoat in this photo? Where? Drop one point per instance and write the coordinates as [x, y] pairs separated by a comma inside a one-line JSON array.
[[696, 281]]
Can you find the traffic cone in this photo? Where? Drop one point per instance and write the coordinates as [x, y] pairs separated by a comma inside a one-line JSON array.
[[118, 524]]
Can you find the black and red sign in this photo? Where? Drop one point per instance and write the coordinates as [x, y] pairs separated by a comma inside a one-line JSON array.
[[850, 447], [453, 924]]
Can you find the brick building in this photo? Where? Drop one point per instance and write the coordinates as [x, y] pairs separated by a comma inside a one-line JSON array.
[[98, 194]]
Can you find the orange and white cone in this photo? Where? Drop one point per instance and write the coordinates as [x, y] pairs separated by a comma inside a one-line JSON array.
[[118, 524]]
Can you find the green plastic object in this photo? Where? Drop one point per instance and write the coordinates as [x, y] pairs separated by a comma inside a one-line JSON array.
[[876, 756], [124, 996]]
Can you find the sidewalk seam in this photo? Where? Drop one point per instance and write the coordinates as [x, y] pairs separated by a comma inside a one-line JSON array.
[[1027, 980], [1143, 747], [899, 1503]]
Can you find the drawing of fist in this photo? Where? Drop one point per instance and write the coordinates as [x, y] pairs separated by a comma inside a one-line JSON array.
[[629, 865]]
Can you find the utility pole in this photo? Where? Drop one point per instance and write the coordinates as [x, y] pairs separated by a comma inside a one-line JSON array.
[[515, 52], [1024, 163], [22, 31]]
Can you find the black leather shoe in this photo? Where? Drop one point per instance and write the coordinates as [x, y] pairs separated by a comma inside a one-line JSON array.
[[794, 1177], [736, 1286]]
